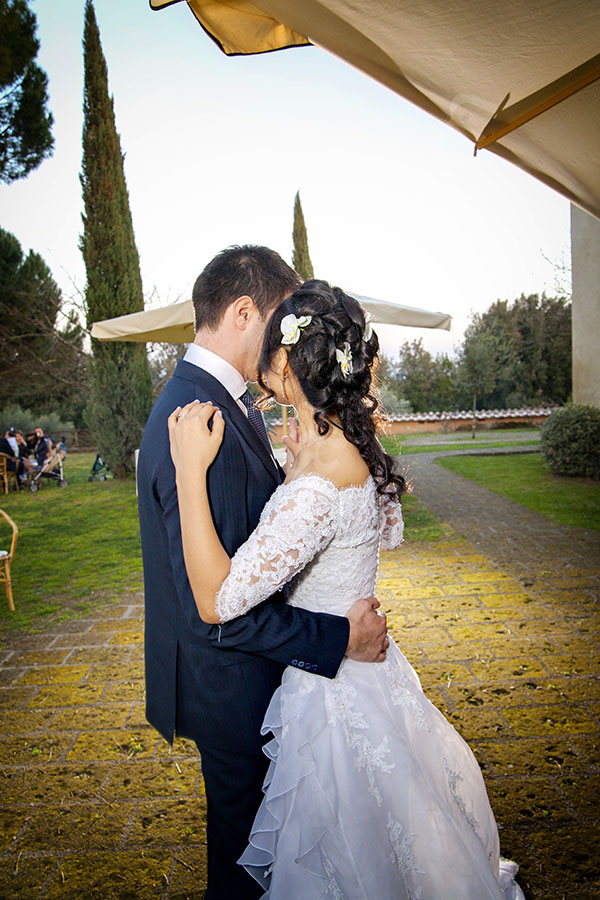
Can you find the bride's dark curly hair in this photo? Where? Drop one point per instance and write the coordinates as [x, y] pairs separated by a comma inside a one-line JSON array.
[[337, 397]]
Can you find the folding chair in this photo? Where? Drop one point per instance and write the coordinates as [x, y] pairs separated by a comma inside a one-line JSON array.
[[6, 474], [6, 558]]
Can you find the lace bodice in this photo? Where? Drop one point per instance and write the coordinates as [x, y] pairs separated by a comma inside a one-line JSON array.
[[321, 538]]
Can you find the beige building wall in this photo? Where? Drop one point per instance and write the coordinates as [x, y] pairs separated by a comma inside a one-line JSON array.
[[585, 258]]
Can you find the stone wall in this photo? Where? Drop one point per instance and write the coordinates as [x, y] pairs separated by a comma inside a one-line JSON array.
[[448, 422]]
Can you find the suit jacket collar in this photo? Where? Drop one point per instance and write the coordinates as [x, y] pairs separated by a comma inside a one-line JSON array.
[[231, 411]]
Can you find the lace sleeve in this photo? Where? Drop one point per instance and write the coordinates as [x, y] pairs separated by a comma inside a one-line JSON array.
[[391, 523], [299, 520]]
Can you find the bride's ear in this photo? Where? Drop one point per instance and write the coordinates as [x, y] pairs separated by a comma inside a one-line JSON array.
[[279, 363]]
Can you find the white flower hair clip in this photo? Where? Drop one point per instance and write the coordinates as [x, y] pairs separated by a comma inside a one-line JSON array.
[[368, 332], [292, 326], [344, 357]]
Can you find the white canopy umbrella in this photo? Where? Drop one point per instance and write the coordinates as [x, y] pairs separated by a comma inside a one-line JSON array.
[[175, 324], [517, 77]]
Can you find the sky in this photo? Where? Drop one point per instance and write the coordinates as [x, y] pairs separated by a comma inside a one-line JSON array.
[[396, 205]]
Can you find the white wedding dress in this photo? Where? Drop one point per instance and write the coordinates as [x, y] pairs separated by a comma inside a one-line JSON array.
[[370, 794]]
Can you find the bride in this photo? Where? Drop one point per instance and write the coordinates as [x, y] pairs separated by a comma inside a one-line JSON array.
[[370, 793]]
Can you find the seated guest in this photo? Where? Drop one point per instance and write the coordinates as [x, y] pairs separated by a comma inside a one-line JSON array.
[[11, 437], [43, 446], [30, 441], [24, 451], [13, 463], [5, 446]]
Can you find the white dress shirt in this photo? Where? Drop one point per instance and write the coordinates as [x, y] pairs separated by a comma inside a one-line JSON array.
[[219, 368], [225, 373]]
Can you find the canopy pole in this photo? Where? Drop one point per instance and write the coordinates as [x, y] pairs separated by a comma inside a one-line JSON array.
[[506, 120]]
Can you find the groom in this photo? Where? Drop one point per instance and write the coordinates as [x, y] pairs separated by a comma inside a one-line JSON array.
[[213, 683]]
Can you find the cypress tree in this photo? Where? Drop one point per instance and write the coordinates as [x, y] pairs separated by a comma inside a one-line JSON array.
[[301, 257], [121, 389]]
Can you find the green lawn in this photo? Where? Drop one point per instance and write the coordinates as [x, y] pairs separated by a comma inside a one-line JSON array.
[[525, 479], [420, 524], [79, 546], [512, 432], [397, 445]]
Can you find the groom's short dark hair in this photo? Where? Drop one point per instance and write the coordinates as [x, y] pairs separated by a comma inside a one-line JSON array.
[[259, 272]]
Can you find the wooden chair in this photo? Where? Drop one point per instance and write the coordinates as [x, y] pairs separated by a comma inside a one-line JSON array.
[[6, 474], [6, 558]]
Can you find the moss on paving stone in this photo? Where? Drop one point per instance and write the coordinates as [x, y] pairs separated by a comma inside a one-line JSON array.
[[532, 757], [74, 827], [116, 744], [94, 804], [21, 875], [72, 695], [152, 779], [188, 873], [21, 721], [527, 801], [91, 718], [53, 784], [53, 675], [169, 822], [134, 875], [42, 748]]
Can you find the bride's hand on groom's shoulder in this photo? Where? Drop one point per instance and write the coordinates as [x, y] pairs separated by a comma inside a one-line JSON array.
[[194, 444]]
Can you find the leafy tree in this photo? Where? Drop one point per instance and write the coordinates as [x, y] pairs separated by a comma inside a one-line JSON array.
[[25, 123], [162, 359], [479, 367], [42, 364], [389, 390], [120, 378], [427, 382], [301, 257], [517, 354]]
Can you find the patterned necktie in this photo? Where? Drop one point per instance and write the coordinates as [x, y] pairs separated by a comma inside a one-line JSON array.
[[256, 420]]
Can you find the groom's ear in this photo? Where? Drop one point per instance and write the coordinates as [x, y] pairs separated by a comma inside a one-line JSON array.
[[243, 312]]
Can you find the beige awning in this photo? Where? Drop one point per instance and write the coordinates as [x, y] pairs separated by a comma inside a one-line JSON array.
[[521, 79], [175, 324]]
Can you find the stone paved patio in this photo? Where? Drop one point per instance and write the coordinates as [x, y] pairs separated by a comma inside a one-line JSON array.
[[501, 624]]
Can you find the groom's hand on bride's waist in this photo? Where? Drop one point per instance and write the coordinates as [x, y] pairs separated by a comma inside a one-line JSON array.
[[368, 640]]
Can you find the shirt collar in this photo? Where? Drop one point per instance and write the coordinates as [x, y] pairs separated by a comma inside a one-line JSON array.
[[219, 368]]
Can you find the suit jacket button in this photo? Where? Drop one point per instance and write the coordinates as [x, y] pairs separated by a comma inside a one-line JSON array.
[[301, 664], [294, 662]]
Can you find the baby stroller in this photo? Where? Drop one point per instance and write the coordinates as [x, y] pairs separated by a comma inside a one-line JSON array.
[[52, 468], [100, 471]]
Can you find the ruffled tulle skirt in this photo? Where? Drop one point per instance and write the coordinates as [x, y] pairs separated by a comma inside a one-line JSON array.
[[372, 795]]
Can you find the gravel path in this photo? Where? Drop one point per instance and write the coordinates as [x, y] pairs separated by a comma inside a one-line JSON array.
[[532, 545]]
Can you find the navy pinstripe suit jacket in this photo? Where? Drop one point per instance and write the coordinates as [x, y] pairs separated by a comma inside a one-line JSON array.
[[207, 682]]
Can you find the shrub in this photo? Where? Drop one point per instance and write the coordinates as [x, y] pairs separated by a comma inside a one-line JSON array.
[[26, 420], [570, 441]]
